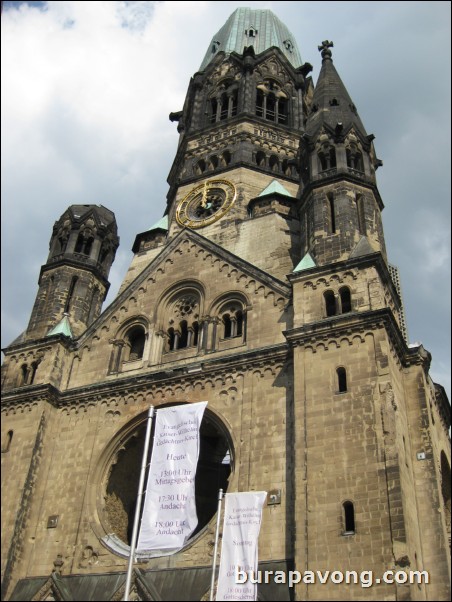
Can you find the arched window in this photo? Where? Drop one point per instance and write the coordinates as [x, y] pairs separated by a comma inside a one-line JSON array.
[[136, 338], [225, 159], [332, 213], [270, 113], [359, 165], [213, 162], [348, 518], [23, 374], [283, 110], [171, 339], [260, 159], [34, 367], [239, 322], [183, 339], [193, 335], [88, 246], [233, 322], [224, 102], [341, 380], [272, 102], [122, 474], [79, 244], [274, 163], [360, 209], [327, 157], [7, 446], [84, 244], [330, 303], [213, 110], [200, 167], [346, 300], [332, 157]]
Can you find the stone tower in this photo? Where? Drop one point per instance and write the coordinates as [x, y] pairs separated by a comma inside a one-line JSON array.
[[265, 289], [74, 281]]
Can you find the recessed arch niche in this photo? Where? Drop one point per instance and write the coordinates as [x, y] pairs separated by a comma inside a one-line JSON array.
[[120, 482]]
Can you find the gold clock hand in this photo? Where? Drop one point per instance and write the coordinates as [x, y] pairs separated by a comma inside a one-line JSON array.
[[204, 195]]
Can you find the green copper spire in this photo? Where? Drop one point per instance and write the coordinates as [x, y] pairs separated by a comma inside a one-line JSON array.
[[63, 327], [258, 28]]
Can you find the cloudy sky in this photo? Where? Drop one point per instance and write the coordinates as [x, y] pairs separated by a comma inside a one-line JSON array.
[[86, 92]]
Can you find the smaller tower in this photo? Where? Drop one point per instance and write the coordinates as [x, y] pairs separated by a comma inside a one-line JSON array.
[[341, 206], [74, 281]]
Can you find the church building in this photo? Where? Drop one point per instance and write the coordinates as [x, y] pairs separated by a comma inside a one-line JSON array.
[[266, 290]]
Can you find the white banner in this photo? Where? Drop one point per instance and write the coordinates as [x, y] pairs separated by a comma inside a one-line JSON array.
[[242, 523], [169, 513]]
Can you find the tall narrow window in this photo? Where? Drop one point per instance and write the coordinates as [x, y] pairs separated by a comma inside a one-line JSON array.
[[346, 300], [79, 244], [23, 374], [283, 110], [213, 110], [227, 326], [9, 438], [34, 367], [330, 198], [341, 380], [332, 157], [239, 323], [270, 113], [349, 518], [224, 101], [194, 335], [171, 339], [183, 341], [330, 303], [361, 215], [260, 102], [70, 294], [136, 337]]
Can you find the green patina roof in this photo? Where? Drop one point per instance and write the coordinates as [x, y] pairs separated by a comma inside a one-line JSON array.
[[162, 224], [268, 31], [63, 327], [275, 187], [306, 263]]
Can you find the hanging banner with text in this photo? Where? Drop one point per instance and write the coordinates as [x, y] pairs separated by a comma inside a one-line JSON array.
[[169, 513], [242, 523]]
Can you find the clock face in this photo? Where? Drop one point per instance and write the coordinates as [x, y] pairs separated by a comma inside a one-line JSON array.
[[206, 203]]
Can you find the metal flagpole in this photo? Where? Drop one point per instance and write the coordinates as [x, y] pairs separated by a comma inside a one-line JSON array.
[[138, 506], [212, 583]]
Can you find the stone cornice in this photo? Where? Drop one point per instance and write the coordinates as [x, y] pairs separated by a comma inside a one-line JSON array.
[[202, 367], [354, 323]]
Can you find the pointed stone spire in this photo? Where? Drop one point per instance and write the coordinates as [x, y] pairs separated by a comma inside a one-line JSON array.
[[331, 104]]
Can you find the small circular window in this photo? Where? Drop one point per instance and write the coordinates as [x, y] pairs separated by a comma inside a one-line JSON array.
[[214, 469]]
